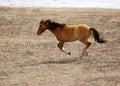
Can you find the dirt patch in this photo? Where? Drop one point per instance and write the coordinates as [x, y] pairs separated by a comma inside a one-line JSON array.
[[27, 59]]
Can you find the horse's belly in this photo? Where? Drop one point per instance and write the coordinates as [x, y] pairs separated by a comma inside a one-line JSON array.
[[67, 38], [67, 35]]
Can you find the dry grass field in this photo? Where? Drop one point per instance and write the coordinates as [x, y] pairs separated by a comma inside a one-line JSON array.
[[27, 59]]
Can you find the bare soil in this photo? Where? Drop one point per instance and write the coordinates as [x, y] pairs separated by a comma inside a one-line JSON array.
[[27, 59]]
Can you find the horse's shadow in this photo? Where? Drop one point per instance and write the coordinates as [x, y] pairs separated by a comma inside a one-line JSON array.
[[63, 61]]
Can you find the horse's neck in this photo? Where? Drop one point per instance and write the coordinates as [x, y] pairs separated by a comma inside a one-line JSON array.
[[55, 32]]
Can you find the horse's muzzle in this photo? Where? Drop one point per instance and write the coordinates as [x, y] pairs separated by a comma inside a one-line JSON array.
[[38, 33]]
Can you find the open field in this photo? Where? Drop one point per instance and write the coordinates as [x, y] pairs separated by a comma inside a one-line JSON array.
[[27, 59]]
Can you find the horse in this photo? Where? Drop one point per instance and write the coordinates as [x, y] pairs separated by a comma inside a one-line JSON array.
[[69, 33]]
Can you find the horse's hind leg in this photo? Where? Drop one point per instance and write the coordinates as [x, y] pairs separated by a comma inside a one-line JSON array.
[[85, 53], [60, 46]]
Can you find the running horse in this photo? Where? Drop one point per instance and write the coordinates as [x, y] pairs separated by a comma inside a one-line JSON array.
[[69, 33]]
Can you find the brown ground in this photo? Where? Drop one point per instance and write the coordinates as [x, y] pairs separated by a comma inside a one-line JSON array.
[[27, 59]]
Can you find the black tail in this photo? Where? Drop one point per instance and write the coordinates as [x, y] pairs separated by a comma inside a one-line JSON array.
[[97, 36]]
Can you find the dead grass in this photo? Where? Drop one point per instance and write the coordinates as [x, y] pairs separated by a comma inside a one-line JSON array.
[[30, 60]]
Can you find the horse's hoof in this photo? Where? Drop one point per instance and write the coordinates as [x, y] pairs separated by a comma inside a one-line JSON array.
[[85, 53], [69, 53]]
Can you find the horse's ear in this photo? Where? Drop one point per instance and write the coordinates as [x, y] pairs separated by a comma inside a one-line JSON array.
[[46, 22], [41, 21]]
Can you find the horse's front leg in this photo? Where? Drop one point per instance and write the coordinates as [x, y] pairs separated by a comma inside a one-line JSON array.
[[60, 46]]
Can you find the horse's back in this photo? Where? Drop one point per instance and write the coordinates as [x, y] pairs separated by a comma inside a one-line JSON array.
[[83, 32], [74, 32], [84, 26]]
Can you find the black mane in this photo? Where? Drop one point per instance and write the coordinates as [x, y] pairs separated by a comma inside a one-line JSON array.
[[53, 25]]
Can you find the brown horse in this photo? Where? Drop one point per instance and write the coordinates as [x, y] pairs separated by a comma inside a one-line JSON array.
[[68, 33]]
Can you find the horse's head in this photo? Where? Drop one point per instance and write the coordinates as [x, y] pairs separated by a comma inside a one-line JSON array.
[[43, 26]]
